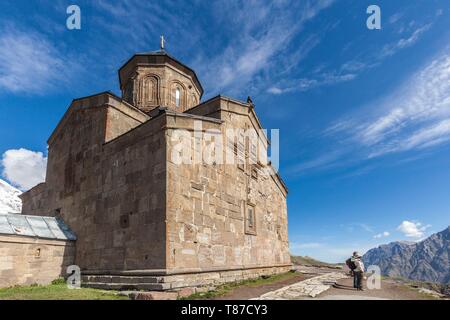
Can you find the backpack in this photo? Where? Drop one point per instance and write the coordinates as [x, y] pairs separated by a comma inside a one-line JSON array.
[[350, 264]]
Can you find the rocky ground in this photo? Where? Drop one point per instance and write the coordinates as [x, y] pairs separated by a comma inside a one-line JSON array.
[[311, 287]]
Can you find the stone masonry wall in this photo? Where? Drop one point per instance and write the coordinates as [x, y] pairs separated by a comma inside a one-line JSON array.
[[111, 194], [206, 203], [134, 182]]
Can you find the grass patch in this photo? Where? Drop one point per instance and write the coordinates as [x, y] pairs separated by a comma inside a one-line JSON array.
[[229, 287], [426, 295], [59, 281], [57, 290]]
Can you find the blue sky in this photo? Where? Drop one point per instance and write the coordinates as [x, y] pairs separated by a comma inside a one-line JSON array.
[[364, 115]]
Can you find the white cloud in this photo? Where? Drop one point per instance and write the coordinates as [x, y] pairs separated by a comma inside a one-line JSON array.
[[348, 70], [395, 17], [142, 31], [381, 235], [429, 136], [275, 90], [304, 84], [30, 63], [252, 37], [414, 116], [324, 161], [262, 32], [24, 168], [420, 115], [391, 49], [354, 65], [412, 229]]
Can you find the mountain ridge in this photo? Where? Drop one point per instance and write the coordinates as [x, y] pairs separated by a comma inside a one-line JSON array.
[[427, 260]]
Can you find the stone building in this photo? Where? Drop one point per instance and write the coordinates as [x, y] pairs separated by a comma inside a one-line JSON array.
[[142, 219], [33, 249]]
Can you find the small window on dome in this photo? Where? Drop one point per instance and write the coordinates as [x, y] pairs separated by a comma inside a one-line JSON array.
[[177, 97]]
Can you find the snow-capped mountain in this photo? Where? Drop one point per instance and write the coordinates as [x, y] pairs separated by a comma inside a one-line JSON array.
[[9, 198]]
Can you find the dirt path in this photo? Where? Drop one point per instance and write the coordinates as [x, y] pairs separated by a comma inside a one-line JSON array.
[[389, 290], [248, 291]]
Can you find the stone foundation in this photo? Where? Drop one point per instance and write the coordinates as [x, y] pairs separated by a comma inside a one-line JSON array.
[[140, 280]]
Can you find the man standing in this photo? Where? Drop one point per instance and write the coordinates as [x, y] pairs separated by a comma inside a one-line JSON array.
[[353, 267], [350, 262], [358, 272]]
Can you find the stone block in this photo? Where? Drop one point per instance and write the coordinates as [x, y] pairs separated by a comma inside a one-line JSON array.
[[154, 295], [197, 186], [185, 292]]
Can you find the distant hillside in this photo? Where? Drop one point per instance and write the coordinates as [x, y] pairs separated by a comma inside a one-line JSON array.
[[308, 261], [427, 260], [9, 198]]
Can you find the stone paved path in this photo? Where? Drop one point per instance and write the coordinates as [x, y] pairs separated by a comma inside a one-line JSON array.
[[304, 289]]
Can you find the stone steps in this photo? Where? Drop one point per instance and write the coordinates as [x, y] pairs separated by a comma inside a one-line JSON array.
[[121, 279], [107, 282], [127, 286], [158, 282]]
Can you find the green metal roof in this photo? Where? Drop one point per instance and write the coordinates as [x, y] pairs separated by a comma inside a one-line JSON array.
[[35, 226]]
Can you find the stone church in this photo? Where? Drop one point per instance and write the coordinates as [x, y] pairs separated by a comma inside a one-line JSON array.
[[140, 219]]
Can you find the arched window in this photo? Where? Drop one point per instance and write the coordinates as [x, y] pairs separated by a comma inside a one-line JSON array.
[[150, 89], [177, 96]]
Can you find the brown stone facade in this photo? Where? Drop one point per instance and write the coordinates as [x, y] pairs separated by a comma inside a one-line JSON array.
[[107, 186], [136, 213], [207, 204], [25, 260]]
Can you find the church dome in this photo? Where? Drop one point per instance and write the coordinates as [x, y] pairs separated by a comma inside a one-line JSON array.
[[152, 79]]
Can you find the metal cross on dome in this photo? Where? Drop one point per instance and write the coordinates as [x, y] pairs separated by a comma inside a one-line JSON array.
[[162, 43]]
